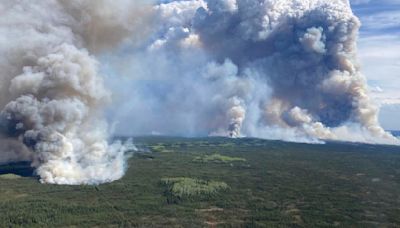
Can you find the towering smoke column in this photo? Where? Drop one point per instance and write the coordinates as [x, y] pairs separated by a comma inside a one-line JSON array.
[[305, 51], [284, 69], [51, 93]]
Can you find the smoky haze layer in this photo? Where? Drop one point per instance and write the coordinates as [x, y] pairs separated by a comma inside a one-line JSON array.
[[306, 52], [51, 91], [277, 69], [265, 68]]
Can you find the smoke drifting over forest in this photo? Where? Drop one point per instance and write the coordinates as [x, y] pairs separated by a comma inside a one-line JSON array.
[[277, 69], [272, 69], [51, 92]]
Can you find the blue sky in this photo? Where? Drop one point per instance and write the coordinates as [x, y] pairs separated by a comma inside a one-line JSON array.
[[379, 52]]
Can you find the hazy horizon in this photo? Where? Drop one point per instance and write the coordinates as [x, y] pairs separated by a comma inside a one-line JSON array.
[[76, 72]]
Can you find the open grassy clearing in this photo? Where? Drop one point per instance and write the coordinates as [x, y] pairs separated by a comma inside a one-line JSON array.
[[217, 158], [279, 183], [178, 189]]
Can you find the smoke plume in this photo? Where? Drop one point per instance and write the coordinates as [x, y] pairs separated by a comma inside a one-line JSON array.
[[265, 68], [277, 69], [51, 91]]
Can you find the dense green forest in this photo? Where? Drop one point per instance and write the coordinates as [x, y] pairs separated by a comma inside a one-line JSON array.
[[203, 182]]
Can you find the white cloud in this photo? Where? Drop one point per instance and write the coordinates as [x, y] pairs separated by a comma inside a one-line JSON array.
[[381, 20], [380, 56], [379, 53], [361, 2]]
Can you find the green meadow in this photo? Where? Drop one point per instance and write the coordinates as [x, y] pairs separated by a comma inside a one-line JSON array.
[[219, 182]]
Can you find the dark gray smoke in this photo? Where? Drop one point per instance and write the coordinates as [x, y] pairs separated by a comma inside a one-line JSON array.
[[265, 68], [51, 94], [279, 69]]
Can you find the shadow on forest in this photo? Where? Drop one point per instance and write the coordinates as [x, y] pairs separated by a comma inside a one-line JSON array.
[[23, 169]]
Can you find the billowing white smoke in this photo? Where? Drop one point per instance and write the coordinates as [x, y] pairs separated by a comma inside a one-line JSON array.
[[306, 51], [50, 91], [283, 69]]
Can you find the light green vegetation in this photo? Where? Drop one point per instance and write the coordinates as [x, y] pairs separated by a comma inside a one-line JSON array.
[[217, 158], [9, 176], [188, 187], [160, 148]]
